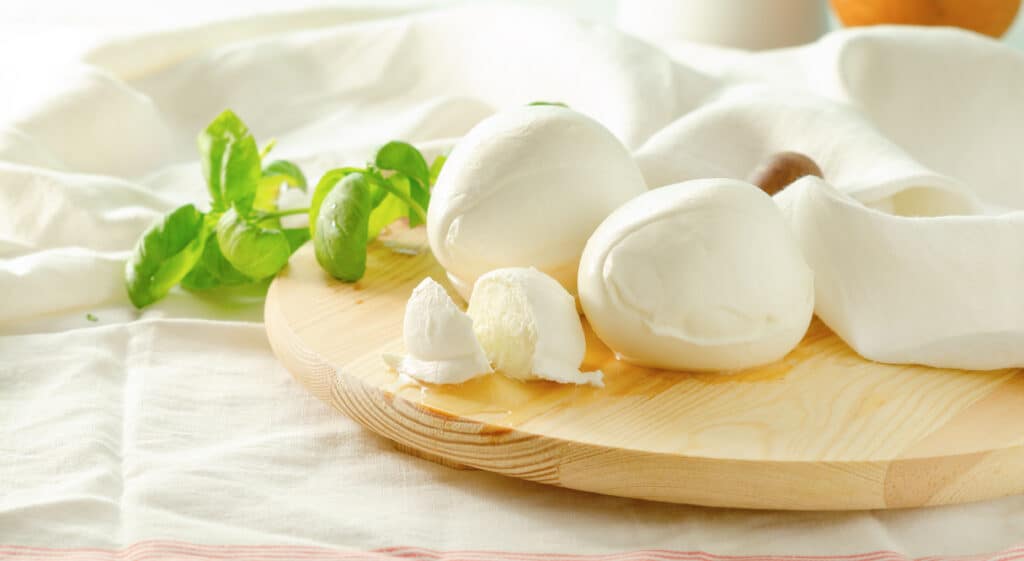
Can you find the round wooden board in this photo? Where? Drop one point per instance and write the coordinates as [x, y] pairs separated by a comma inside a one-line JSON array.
[[822, 429]]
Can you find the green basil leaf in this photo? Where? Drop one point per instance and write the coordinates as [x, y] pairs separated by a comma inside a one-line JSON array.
[[269, 188], [404, 158], [398, 186], [199, 278], [323, 187], [391, 208], [255, 251], [163, 256], [386, 213], [266, 194], [421, 195], [377, 187], [230, 161], [340, 237], [213, 270], [555, 103], [265, 151], [435, 168], [287, 172], [296, 237]]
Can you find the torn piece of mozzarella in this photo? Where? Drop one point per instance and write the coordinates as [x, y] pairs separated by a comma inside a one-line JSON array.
[[941, 291], [439, 339], [528, 325]]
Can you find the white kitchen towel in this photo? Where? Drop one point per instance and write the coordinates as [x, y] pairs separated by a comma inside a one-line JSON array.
[[177, 423]]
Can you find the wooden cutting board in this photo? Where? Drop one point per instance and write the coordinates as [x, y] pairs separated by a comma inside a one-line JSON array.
[[820, 429]]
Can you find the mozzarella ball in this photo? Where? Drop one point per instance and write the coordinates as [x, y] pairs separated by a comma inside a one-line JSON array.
[[700, 275], [528, 326], [526, 187]]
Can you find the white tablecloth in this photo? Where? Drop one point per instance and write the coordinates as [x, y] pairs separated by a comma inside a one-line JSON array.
[[177, 423]]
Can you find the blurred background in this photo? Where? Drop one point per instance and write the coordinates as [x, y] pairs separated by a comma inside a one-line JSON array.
[[642, 16]]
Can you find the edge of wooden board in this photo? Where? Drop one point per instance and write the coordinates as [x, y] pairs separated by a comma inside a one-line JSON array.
[[740, 483]]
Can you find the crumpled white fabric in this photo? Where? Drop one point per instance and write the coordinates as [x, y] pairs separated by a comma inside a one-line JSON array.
[[915, 233], [177, 422]]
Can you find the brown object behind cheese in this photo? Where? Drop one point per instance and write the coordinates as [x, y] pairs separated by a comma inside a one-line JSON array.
[[781, 169]]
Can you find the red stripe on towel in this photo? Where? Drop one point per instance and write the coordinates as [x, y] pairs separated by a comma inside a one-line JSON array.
[[165, 550]]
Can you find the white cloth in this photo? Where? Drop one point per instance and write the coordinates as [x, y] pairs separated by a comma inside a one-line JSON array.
[[915, 233], [177, 422]]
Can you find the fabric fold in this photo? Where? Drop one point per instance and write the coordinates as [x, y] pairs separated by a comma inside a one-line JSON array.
[[938, 290]]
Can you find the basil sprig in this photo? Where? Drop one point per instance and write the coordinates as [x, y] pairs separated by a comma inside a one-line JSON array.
[[240, 241]]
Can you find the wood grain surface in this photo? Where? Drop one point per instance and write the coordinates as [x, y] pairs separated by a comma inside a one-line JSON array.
[[821, 429]]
